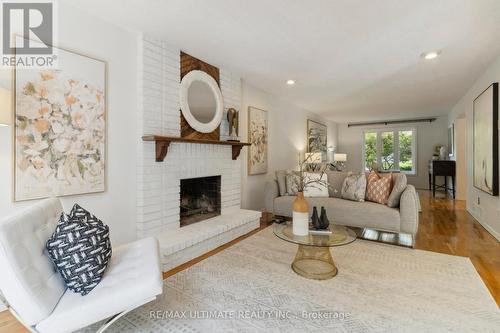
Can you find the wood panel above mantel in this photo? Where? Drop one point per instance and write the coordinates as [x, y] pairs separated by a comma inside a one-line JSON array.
[[163, 142]]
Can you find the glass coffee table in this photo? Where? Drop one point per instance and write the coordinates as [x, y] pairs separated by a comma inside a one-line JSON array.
[[313, 259]]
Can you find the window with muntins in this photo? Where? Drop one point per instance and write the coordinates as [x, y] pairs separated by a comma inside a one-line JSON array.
[[390, 149]]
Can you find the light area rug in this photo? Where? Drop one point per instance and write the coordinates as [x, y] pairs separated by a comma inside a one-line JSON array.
[[250, 287]]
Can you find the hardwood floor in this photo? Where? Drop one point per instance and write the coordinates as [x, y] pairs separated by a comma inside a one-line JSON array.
[[445, 227]]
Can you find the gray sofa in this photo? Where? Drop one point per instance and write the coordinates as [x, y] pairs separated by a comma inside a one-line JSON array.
[[403, 219]]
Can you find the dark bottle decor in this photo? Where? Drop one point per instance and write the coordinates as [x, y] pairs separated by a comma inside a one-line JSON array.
[[323, 220], [315, 219]]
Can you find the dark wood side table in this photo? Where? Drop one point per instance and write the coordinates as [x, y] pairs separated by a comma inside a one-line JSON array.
[[445, 169]]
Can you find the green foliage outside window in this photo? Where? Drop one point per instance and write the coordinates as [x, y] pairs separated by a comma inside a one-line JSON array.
[[370, 149]]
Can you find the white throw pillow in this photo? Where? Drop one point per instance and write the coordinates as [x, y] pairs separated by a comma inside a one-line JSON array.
[[318, 190]]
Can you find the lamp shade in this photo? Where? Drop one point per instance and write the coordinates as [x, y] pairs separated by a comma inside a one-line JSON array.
[[340, 157], [313, 157], [5, 107]]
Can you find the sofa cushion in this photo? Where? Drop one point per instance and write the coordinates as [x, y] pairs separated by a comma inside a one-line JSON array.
[[354, 188], [335, 182], [317, 189], [399, 185], [281, 178], [378, 188]]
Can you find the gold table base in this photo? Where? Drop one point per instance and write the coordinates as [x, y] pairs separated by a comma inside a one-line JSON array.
[[314, 262]]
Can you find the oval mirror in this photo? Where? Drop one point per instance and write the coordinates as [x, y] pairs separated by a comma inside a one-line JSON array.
[[201, 101]]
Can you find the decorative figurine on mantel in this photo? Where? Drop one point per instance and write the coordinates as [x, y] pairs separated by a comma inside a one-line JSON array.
[[233, 119]]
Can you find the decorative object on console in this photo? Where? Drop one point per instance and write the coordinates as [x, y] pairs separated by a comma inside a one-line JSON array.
[[378, 189], [233, 122], [257, 134], [316, 137], [57, 113], [485, 140], [443, 153], [354, 188], [80, 249]]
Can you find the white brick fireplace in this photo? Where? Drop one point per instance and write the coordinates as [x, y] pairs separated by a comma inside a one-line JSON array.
[[159, 182]]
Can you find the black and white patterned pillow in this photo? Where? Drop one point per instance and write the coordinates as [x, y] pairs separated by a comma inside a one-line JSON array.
[[80, 249]]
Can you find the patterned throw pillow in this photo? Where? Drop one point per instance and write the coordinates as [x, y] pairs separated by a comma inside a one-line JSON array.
[[378, 188], [354, 188], [399, 186], [292, 183], [335, 182], [319, 189], [80, 249]]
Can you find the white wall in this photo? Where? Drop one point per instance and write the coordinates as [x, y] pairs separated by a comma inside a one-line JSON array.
[[488, 211], [428, 136], [460, 157], [86, 34], [287, 136]]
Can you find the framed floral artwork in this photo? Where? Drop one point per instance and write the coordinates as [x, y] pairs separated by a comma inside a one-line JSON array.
[[60, 128], [316, 138], [257, 135]]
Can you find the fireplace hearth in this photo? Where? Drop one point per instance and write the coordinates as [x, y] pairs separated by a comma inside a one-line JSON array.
[[200, 199]]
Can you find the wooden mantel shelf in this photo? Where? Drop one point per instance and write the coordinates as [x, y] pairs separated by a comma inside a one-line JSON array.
[[163, 142]]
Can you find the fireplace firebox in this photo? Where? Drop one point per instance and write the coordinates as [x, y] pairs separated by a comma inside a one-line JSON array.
[[200, 199]]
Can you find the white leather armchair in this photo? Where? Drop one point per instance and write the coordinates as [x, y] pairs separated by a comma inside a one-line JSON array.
[[36, 293]]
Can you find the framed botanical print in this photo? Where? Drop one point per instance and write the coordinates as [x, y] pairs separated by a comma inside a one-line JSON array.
[[60, 128], [485, 144], [316, 137], [257, 135]]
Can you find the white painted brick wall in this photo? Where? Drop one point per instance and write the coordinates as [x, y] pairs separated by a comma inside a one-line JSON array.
[[159, 182]]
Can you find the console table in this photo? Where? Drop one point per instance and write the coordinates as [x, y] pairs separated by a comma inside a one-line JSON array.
[[445, 169]]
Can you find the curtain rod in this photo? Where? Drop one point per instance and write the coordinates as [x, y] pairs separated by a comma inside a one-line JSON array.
[[389, 122]]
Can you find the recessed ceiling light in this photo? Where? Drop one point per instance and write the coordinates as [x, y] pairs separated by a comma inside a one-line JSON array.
[[290, 82], [431, 55]]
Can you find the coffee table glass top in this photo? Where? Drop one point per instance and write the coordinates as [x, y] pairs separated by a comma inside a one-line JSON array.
[[340, 235]]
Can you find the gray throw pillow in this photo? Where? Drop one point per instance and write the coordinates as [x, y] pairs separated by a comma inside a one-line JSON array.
[[335, 182], [281, 178], [292, 183], [399, 182], [354, 188]]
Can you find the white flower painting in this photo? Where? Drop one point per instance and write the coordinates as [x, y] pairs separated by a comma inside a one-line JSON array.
[[60, 128]]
